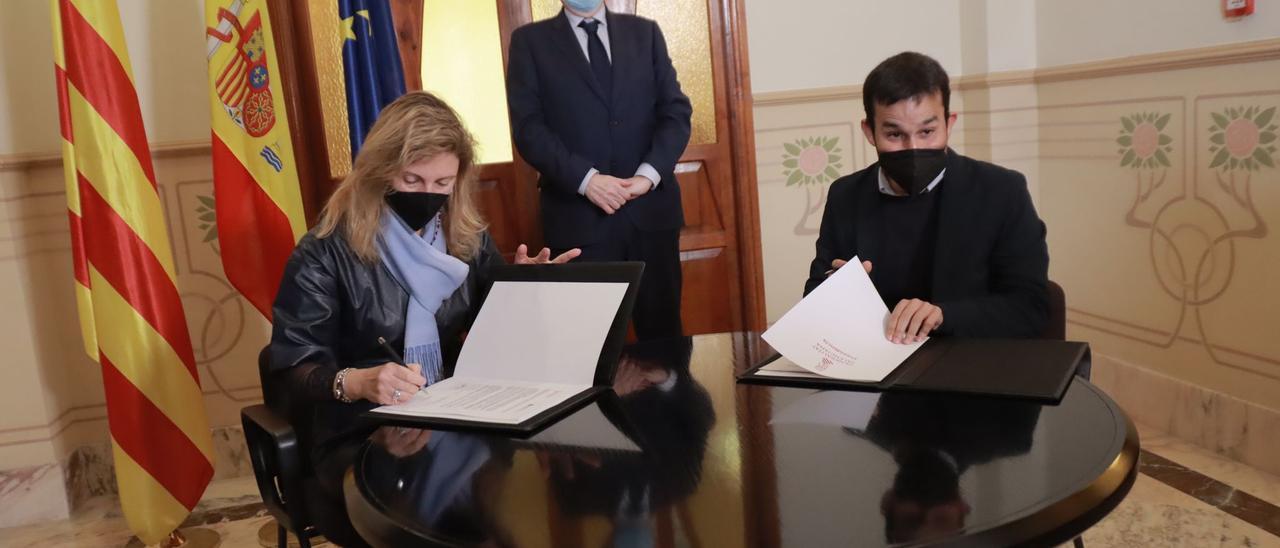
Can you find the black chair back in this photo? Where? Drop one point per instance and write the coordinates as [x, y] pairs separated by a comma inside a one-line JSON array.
[[1056, 329]]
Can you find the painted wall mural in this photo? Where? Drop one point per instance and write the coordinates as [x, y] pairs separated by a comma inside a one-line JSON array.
[[811, 163], [1195, 235]]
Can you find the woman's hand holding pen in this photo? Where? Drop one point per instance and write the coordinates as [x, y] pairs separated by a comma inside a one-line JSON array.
[[386, 384]]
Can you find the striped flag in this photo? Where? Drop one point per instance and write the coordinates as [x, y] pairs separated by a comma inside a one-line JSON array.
[[125, 280], [255, 180]]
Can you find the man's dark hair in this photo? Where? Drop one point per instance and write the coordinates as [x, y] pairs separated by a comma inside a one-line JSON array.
[[906, 75]]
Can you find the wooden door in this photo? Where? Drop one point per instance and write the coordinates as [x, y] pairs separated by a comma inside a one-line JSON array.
[[720, 244]]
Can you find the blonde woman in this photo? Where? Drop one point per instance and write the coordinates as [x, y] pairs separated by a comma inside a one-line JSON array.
[[400, 253]]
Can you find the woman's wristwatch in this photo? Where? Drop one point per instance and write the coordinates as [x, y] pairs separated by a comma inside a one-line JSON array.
[[339, 389]]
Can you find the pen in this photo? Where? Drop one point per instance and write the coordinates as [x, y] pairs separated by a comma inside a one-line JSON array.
[[395, 356]]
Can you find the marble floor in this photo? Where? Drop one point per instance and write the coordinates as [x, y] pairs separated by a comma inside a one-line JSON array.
[[1184, 497]]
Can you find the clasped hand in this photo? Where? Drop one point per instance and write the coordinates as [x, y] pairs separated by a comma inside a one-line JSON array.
[[609, 193]]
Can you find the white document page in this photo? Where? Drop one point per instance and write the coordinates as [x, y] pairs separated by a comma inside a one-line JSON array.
[[533, 346], [502, 402], [782, 367], [541, 332], [838, 330]]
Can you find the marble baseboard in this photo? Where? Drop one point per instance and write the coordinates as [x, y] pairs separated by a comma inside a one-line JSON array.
[[89, 472], [1236, 429], [231, 455], [31, 495]]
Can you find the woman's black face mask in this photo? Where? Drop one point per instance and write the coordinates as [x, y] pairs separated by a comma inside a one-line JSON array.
[[416, 209]]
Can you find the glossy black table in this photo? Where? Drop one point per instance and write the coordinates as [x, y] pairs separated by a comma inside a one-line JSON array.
[[684, 456]]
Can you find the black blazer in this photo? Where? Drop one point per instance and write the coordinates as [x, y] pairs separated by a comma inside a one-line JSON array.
[[563, 125], [991, 263]]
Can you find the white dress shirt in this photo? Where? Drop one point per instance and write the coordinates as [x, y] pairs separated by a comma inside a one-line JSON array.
[[645, 170], [887, 189]]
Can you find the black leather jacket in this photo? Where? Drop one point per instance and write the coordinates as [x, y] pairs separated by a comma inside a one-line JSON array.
[[329, 313]]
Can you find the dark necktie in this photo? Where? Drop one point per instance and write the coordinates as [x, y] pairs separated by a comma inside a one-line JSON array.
[[599, 59]]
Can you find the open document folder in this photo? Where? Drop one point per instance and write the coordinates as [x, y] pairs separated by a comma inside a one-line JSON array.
[[547, 338], [835, 338]]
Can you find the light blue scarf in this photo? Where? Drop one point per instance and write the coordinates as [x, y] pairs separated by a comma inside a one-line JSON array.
[[430, 275]]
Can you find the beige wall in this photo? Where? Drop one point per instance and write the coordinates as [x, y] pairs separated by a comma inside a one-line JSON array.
[[166, 47], [51, 403], [824, 43], [1091, 30]]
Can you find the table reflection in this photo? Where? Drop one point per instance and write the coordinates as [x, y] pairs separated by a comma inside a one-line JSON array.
[[670, 415], [934, 440]]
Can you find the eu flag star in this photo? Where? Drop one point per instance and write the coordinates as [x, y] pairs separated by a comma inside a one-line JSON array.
[[349, 25]]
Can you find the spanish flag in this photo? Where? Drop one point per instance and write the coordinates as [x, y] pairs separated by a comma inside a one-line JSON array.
[[130, 312], [255, 179]]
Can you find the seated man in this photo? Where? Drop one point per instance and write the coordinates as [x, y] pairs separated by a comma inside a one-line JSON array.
[[953, 244]]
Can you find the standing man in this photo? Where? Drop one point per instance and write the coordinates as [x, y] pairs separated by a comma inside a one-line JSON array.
[[953, 244], [597, 110]]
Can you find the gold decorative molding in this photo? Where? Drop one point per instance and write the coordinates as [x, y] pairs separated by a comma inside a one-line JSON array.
[[160, 150], [1243, 52], [326, 40]]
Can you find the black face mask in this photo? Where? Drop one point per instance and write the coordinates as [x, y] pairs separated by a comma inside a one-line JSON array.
[[416, 209], [914, 168]]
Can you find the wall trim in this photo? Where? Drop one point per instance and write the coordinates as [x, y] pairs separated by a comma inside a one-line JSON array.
[[159, 150], [1242, 52]]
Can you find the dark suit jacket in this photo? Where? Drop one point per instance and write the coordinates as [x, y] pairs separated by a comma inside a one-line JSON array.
[[990, 270], [563, 125]]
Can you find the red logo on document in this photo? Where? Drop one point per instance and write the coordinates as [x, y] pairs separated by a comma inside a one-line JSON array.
[[824, 364]]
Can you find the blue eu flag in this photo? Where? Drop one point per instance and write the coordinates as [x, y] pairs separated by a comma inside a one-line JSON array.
[[371, 60]]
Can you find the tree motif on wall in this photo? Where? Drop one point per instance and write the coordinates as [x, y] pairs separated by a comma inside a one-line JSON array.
[[811, 163], [1145, 148]]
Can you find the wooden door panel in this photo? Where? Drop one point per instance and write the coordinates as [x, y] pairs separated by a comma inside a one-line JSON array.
[[708, 295], [502, 207], [706, 298]]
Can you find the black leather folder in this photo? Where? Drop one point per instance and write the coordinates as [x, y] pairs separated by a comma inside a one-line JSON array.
[[603, 272], [1033, 369]]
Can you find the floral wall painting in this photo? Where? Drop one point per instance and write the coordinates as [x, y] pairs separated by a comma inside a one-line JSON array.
[[811, 163], [1194, 235]]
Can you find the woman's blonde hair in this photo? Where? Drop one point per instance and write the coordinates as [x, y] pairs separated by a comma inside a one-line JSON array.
[[417, 126]]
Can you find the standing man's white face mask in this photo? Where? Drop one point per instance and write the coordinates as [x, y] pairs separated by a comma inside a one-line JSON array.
[[582, 8]]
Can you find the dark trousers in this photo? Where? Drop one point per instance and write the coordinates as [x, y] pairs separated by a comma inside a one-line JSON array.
[[657, 310]]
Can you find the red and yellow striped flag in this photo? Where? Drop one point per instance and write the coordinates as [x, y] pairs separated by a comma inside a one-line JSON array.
[[255, 179], [125, 282]]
